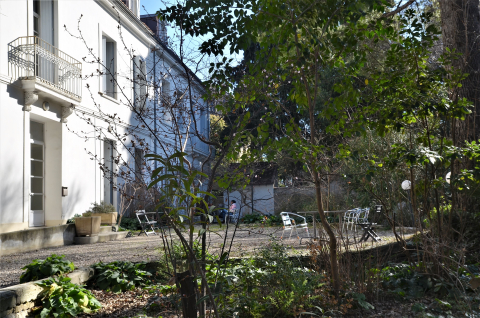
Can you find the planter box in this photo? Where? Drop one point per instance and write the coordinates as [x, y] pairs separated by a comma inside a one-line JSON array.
[[107, 218], [87, 226]]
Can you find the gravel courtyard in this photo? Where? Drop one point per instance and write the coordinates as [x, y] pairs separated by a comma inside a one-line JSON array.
[[143, 248]]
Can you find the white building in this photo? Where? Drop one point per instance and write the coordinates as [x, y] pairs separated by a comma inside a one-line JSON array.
[[55, 133]]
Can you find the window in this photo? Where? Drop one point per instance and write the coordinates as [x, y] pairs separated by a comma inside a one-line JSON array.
[[182, 119], [108, 170], [166, 101], [138, 164], [133, 5], [109, 85], [36, 17], [139, 82]]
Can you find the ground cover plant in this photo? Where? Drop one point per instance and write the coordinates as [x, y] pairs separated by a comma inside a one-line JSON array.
[[52, 265], [119, 276], [61, 298]]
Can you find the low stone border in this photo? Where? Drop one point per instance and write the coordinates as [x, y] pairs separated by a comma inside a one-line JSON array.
[[15, 301]]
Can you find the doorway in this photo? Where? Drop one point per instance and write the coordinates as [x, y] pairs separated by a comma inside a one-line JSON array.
[[37, 175]]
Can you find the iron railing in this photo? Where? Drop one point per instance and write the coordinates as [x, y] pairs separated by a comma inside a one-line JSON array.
[[30, 57]]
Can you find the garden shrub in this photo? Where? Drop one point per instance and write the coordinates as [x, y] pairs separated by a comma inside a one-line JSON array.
[[414, 281], [253, 218], [260, 218], [273, 284], [52, 265], [61, 298], [130, 224], [101, 207], [119, 276]]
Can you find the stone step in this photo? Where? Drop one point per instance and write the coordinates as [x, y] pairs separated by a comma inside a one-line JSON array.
[[106, 229], [102, 237]]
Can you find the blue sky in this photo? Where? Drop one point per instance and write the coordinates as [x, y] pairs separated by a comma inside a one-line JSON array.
[[151, 6]]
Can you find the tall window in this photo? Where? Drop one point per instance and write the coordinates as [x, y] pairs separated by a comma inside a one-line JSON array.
[[139, 164], [110, 67], [166, 101], [36, 17], [108, 171], [139, 82]]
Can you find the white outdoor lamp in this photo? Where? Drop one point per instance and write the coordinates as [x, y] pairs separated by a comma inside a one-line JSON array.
[[447, 177], [406, 185]]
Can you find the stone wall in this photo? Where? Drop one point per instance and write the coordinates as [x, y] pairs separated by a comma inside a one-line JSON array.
[[16, 301]]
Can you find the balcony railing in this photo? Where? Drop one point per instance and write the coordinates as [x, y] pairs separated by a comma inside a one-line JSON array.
[[30, 57]]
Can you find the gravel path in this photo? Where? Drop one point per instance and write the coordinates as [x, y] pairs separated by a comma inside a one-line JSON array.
[[142, 248]]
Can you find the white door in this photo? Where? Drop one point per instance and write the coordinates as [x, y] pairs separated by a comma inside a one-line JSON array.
[[37, 175]]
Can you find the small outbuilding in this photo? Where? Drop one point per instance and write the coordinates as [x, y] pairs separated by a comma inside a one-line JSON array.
[[254, 194]]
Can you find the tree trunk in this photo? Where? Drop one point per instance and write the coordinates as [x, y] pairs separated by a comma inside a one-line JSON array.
[[461, 32], [187, 291], [332, 239]]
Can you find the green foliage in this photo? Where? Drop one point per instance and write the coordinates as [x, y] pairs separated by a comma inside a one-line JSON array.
[[101, 207], [264, 219], [130, 224], [181, 189], [273, 220], [52, 265], [119, 276], [253, 218], [409, 281], [271, 284], [362, 302], [61, 298], [72, 220]]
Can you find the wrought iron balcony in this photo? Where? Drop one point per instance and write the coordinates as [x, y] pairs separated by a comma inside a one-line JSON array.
[[31, 58]]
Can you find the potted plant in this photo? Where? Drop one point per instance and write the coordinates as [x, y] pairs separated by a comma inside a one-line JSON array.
[[105, 211], [87, 226]]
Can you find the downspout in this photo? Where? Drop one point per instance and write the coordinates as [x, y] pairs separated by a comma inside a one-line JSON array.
[[252, 198], [155, 101]]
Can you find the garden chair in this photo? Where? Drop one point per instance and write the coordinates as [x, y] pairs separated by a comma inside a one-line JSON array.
[[363, 216], [232, 216], [368, 228], [289, 224], [350, 218], [147, 222]]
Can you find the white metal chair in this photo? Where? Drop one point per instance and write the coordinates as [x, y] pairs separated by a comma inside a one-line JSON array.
[[232, 216], [363, 216], [289, 224], [146, 222], [350, 218]]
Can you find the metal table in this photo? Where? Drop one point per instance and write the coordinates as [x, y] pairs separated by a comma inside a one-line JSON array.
[[313, 213]]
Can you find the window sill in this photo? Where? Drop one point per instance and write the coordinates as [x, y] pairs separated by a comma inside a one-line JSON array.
[[109, 98]]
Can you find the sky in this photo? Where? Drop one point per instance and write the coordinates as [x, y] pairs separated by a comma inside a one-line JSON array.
[[152, 6]]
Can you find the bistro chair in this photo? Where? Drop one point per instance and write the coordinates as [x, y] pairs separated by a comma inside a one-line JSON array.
[[363, 216], [350, 218], [147, 222], [289, 224], [232, 216]]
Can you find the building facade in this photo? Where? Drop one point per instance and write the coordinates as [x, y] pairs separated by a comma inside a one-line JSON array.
[[86, 90]]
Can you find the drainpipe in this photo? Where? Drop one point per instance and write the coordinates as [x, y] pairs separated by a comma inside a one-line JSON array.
[[155, 101], [252, 198]]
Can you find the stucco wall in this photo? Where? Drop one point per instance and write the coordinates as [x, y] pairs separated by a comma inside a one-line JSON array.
[[263, 199], [72, 150]]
